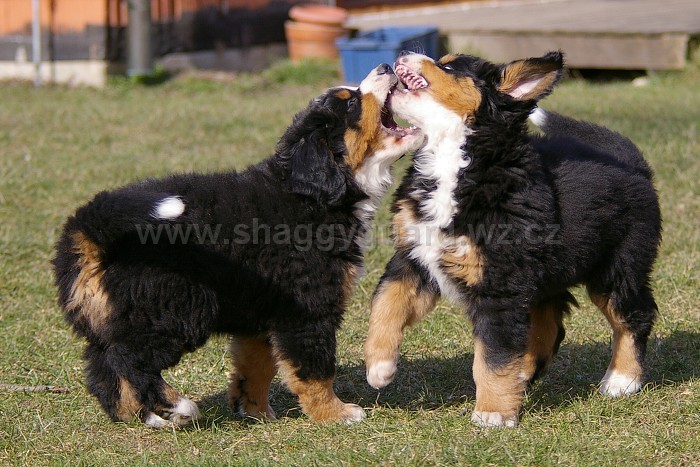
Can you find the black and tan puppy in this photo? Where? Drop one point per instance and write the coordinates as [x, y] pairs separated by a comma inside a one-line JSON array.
[[270, 256], [504, 223]]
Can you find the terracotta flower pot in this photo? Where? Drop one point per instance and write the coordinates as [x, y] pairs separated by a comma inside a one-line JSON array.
[[318, 14], [312, 40], [313, 31]]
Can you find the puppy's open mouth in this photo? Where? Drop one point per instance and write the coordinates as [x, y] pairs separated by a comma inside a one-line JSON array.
[[410, 79], [387, 118]]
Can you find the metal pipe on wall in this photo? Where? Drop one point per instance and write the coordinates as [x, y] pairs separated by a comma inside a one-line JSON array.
[[139, 55], [36, 42]]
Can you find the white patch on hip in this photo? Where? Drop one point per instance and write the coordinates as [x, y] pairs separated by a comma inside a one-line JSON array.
[[169, 208]]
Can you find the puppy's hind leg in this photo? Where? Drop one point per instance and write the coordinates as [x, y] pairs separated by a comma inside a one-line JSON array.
[[253, 370], [125, 391], [546, 333], [172, 410], [306, 361], [631, 320], [116, 394], [500, 372], [143, 391], [403, 297]]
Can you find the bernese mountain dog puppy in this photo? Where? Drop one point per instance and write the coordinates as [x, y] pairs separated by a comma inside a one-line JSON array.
[[504, 223], [270, 256]]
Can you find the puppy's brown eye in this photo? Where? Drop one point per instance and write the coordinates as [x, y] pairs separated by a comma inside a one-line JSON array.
[[352, 103], [447, 68]]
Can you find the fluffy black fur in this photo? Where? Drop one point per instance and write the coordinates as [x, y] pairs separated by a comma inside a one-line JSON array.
[[586, 194], [270, 253], [574, 206]]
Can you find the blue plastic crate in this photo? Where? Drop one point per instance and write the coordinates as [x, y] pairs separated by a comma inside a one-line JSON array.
[[364, 52]]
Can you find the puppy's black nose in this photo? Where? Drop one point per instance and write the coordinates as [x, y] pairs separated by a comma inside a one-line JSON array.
[[383, 69]]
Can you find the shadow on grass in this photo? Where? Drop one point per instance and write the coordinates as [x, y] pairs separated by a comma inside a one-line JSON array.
[[574, 374], [216, 410], [433, 383]]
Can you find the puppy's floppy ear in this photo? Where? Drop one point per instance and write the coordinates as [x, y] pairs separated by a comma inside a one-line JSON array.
[[532, 78], [314, 172]]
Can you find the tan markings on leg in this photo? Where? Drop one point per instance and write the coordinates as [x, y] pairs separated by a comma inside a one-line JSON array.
[[316, 397], [253, 370], [499, 391], [171, 394], [545, 323], [624, 352], [396, 305], [463, 262], [128, 404], [87, 294]]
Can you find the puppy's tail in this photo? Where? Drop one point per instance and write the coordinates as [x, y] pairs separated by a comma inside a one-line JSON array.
[[111, 215], [84, 246], [602, 139]]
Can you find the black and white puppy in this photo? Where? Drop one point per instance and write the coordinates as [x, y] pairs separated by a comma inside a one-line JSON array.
[[504, 223], [270, 256]]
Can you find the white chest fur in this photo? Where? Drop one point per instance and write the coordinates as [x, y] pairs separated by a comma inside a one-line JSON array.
[[429, 237], [374, 177]]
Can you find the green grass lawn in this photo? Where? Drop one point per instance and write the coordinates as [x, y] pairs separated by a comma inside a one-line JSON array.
[[59, 146]]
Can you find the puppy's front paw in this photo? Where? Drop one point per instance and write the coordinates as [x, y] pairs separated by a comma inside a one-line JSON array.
[[253, 411], [494, 419], [352, 413], [616, 384], [382, 373]]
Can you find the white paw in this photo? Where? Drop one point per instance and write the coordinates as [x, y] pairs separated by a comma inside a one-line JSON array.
[[353, 413], [615, 384], [154, 421], [381, 373], [491, 419], [184, 412]]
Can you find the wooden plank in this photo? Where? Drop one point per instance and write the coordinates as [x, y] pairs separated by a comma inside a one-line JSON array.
[[611, 34], [632, 52], [629, 16]]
